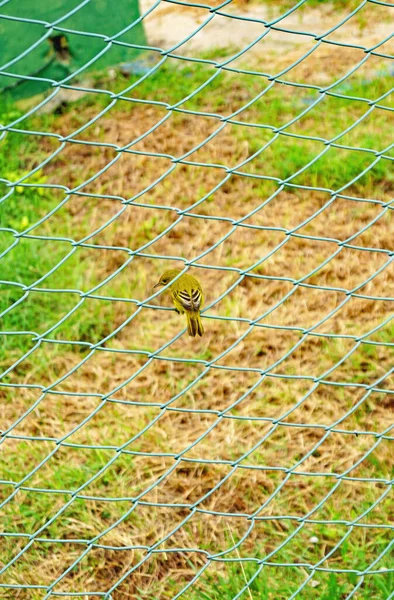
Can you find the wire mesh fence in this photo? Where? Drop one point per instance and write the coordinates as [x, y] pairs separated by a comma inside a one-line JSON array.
[[240, 521]]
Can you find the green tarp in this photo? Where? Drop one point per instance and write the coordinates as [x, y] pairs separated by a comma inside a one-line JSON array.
[[31, 47]]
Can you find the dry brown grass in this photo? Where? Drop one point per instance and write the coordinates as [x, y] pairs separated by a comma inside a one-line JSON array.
[[232, 428]]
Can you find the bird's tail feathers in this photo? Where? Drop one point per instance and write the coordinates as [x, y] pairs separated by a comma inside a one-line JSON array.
[[194, 325]]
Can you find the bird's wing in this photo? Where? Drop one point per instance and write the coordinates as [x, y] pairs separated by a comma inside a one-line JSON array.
[[188, 300]]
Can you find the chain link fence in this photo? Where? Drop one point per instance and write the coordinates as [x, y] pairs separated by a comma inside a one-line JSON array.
[[250, 567]]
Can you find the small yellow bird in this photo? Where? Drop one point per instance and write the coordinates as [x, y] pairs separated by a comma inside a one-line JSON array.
[[188, 298]]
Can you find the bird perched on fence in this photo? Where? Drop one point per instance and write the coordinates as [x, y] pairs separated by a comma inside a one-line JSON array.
[[188, 298]]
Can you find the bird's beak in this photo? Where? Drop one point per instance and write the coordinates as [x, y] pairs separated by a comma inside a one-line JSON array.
[[157, 285]]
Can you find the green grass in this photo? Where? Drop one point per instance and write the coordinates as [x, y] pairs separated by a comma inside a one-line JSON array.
[[32, 259], [281, 583]]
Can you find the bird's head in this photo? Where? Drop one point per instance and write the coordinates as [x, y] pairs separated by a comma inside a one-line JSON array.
[[167, 277]]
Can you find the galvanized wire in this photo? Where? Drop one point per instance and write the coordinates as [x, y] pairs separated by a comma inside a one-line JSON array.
[[54, 589]]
